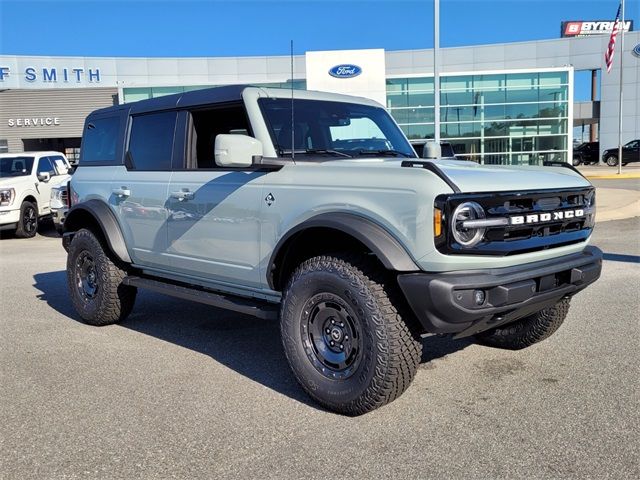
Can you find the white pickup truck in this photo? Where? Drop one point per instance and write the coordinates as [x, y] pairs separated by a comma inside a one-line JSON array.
[[26, 180]]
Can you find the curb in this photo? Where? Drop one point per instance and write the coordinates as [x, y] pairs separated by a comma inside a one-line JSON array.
[[623, 176]]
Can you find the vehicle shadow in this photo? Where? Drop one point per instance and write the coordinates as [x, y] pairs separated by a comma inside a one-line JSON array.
[[617, 257], [247, 345]]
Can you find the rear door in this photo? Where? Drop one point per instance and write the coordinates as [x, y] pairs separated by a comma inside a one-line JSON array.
[[139, 189]]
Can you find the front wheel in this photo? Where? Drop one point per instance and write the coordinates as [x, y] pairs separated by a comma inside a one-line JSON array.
[[344, 334], [576, 161], [529, 330], [612, 160], [95, 282], [28, 223]]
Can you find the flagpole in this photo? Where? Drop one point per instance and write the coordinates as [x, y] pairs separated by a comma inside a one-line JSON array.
[[620, 98]]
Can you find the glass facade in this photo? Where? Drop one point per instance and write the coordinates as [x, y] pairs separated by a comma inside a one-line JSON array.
[[501, 118], [134, 94], [512, 118]]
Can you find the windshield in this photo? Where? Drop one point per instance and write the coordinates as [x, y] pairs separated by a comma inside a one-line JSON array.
[[15, 166], [343, 130]]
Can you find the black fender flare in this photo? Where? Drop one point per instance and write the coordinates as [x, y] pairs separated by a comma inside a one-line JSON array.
[[105, 219], [382, 244]]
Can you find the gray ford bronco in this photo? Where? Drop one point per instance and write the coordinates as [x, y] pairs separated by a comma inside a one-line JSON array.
[[324, 217]]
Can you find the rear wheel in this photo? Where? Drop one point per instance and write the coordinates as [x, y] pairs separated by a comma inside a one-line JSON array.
[[344, 334], [526, 331], [95, 282], [612, 160], [28, 223]]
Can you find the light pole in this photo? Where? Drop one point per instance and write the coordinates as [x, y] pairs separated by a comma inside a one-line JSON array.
[[436, 67]]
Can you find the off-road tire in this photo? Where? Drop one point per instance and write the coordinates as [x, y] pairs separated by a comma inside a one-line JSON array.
[[529, 330], [611, 160], [28, 223], [391, 348], [112, 301]]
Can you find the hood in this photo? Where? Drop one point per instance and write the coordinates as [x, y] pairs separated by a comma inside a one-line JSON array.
[[471, 177], [13, 181]]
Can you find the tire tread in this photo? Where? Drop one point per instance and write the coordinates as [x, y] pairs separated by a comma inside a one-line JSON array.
[[527, 331], [398, 345]]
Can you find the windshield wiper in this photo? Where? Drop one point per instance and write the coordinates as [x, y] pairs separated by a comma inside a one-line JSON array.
[[318, 151], [384, 152]]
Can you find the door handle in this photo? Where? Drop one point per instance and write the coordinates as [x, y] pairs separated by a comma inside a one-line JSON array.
[[121, 192], [182, 195]]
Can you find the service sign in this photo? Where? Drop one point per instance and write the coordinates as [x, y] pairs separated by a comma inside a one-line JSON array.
[[588, 28]]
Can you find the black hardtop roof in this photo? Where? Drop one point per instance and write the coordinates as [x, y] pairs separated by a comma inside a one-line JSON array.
[[206, 96]]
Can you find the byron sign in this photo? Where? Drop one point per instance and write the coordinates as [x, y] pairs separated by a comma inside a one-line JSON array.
[[588, 28]]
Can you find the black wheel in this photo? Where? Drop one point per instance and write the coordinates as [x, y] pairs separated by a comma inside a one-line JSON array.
[[612, 160], [576, 161], [28, 223], [344, 334], [95, 282], [526, 331]]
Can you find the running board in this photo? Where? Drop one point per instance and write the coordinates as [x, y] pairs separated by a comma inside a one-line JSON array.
[[256, 308]]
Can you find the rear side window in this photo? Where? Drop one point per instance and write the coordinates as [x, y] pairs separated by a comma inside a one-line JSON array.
[[100, 139], [151, 141]]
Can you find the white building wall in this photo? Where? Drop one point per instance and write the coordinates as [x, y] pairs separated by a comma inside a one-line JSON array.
[[581, 53]]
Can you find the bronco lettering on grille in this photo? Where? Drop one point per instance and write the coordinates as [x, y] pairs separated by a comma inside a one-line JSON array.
[[546, 217]]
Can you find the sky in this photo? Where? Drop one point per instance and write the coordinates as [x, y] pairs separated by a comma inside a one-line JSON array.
[[149, 28], [191, 28]]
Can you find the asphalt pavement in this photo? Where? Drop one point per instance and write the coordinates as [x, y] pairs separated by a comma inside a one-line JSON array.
[[182, 390]]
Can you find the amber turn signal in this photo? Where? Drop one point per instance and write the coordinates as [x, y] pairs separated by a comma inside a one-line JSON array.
[[437, 222]]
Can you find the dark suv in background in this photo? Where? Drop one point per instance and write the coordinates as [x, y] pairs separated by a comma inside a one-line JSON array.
[[586, 153], [630, 154]]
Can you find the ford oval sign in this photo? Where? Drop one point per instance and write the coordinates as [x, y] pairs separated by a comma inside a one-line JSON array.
[[636, 50], [345, 71]]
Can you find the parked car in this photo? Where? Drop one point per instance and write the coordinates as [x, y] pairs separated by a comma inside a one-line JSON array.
[[446, 148], [358, 249], [59, 205], [586, 153], [630, 154], [26, 181]]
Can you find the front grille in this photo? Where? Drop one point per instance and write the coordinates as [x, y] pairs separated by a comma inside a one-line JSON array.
[[529, 236]]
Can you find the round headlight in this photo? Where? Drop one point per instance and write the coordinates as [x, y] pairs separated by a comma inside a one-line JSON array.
[[467, 237]]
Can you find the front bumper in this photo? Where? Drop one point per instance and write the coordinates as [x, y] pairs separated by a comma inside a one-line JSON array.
[[445, 302], [58, 215], [9, 218]]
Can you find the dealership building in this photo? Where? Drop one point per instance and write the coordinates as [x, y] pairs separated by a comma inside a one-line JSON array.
[[509, 103]]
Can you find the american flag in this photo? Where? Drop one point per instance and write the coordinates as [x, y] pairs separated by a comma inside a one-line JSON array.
[[608, 55]]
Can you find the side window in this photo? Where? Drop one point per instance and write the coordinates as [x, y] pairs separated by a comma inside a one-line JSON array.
[[151, 140], [99, 140], [207, 124], [59, 164], [45, 166]]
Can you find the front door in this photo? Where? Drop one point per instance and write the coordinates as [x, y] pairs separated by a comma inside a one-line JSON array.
[[631, 152], [45, 165], [214, 224]]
